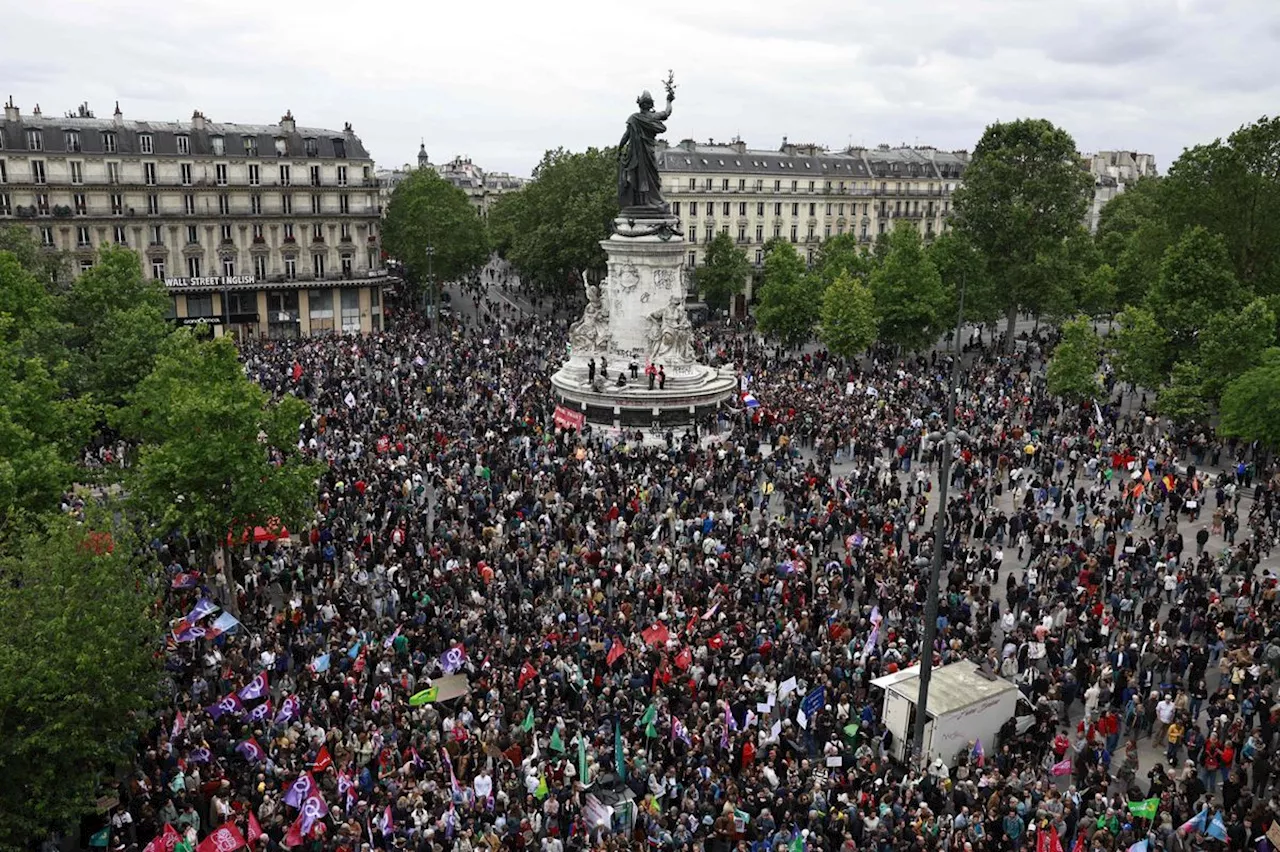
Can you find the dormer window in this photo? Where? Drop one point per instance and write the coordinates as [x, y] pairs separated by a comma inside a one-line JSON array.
[[73, 140], [108, 142], [219, 146], [251, 146], [340, 149], [312, 147], [184, 143], [281, 148]]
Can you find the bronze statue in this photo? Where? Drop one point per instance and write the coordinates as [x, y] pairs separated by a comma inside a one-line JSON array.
[[639, 184]]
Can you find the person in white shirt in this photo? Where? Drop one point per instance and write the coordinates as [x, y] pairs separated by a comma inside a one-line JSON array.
[[483, 785], [1164, 716]]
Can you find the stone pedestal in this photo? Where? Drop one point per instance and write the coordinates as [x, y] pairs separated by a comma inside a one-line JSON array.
[[641, 317]]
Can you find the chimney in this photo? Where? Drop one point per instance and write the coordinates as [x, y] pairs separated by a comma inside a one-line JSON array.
[[11, 112], [197, 120], [36, 111], [118, 118], [287, 124]]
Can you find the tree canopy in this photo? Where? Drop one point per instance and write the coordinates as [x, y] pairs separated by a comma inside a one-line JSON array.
[[724, 273], [426, 211], [848, 317], [1073, 369], [909, 297], [789, 297]]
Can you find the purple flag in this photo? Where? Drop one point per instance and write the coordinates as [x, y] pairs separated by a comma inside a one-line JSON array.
[[255, 688], [251, 751], [288, 710], [230, 704], [190, 634], [202, 608], [200, 755], [300, 790], [261, 713], [313, 809], [452, 659], [390, 640]]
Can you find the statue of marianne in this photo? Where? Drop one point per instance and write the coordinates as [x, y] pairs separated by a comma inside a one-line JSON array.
[[639, 185]]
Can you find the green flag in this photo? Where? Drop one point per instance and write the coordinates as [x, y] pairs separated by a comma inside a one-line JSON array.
[[426, 696], [1145, 809], [851, 731], [649, 715], [101, 838], [582, 760], [541, 792], [619, 762], [742, 816], [557, 744], [650, 731], [527, 724], [797, 844]]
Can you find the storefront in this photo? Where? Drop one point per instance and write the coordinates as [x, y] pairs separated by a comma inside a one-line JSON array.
[[247, 308]]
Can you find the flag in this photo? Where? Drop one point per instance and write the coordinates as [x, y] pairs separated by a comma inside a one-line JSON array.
[[322, 761], [797, 843], [452, 659], [354, 650], [527, 673], [251, 751], [1062, 767], [1047, 840], [814, 701], [350, 399], [255, 830], [851, 730], [288, 710], [619, 762], [225, 838], [978, 754], [101, 837], [388, 823], [165, 841], [297, 374], [313, 809], [872, 639], [224, 623], [293, 837], [230, 704], [300, 790], [1097, 412], [390, 640], [1197, 822], [541, 792], [716, 642], [425, 696], [582, 759], [680, 732], [189, 634], [656, 634], [684, 659], [1140, 846], [527, 724], [261, 713], [186, 580], [650, 731], [179, 725], [616, 650], [1217, 828], [650, 713], [556, 744], [1146, 809], [200, 755], [749, 400], [202, 608], [320, 664], [255, 688]]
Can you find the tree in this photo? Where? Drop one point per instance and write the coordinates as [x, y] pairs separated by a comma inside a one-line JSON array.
[[216, 451], [909, 297], [1182, 399], [789, 302], [1024, 195], [848, 317], [1251, 403], [552, 228], [1138, 348], [959, 264], [841, 256], [426, 211], [724, 273], [1098, 291], [1196, 281], [51, 268], [1232, 343], [1073, 369], [78, 671], [1133, 233]]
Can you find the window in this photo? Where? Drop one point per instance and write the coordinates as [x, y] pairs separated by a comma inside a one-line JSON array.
[[373, 258], [829, 208], [226, 233], [346, 264], [724, 185], [6, 206], [315, 175], [35, 139], [157, 235], [219, 145], [286, 203], [813, 209], [220, 174], [827, 232], [119, 236], [345, 228], [693, 232], [317, 233], [311, 147], [811, 186], [344, 203], [153, 205], [777, 230], [144, 143], [315, 204], [254, 175], [42, 203], [189, 205], [795, 184], [342, 170], [281, 146], [83, 239], [37, 171], [228, 267], [184, 143], [198, 304], [290, 266], [250, 145], [193, 235], [693, 256], [257, 233], [78, 202], [793, 233], [157, 269], [841, 209], [108, 142], [742, 233], [224, 204], [707, 184], [85, 265], [777, 208], [46, 236], [288, 231], [185, 169], [759, 233], [260, 266], [742, 208], [759, 257], [350, 309], [149, 174], [284, 175], [73, 140], [321, 310], [255, 205], [4, 172], [795, 209], [675, 208], [117, 204], [340, 149], [726, 208], [113, 173]]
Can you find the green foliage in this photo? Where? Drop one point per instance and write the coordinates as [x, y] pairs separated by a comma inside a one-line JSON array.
[[1073, 369], [1138, 348], [1232, 343], [426, 211], [1250, 406], [848, 317], [78, 673], [551, 230], [1182, 399], [1098, 291], [841, 257], [51, 268], [959, 263], [1196, 281], [789, 301], [1023, 197], [909, 297], [724, 274], [216, 450], [1132, 236]]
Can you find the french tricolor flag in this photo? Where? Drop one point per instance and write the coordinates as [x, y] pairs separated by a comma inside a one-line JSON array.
[[749, 400]]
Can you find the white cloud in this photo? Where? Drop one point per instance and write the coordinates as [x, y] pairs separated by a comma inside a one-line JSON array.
[[503, 80]]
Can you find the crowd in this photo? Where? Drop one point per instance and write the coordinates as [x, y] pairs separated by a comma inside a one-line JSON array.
[[494, 634]]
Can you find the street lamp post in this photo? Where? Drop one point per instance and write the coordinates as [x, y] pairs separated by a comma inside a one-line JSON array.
[[431, 286], [939, 533]]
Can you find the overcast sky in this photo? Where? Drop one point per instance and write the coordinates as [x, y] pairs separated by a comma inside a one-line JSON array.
[[501, 81]]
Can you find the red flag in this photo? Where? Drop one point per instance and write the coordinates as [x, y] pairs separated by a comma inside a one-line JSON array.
[[716, 642], [297, 371], [615, 652], [323, 761], [293, 837], [684, 659], [748, 754], [527, 673], [656, 635], [255, 830], [226, 838], [165, 841]]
